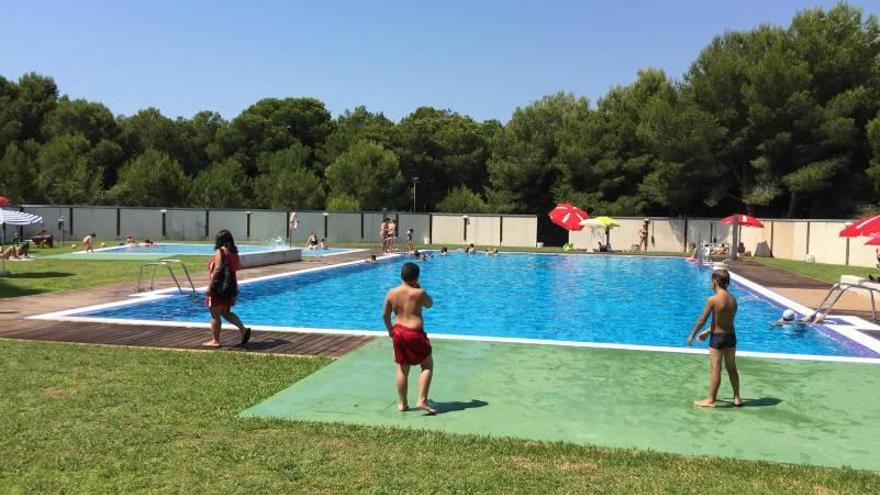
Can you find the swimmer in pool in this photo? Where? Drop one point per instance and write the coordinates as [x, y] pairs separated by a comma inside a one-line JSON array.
[[722, 338], [789, 317]]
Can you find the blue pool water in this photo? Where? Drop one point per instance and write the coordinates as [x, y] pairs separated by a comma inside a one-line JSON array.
[[608, 299], [207, 249]]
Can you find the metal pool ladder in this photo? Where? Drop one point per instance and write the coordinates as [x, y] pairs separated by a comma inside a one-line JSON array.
[[167, 263], [837, 291]]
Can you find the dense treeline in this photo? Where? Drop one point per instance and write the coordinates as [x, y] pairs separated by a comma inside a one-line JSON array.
[[774, 121]]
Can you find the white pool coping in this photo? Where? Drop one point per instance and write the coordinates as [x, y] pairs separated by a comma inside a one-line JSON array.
[[850, 332]]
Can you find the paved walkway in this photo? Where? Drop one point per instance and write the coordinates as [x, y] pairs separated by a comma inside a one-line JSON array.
[[795, 412]]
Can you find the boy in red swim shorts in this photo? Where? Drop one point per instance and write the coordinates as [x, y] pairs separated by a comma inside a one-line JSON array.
[[411, 344]]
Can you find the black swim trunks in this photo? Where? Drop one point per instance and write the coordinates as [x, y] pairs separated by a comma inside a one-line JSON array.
[[722, 341]]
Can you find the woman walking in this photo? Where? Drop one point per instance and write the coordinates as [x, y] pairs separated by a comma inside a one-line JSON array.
[[223, 288]]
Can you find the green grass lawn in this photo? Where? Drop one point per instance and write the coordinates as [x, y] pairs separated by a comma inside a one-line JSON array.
[[87, 419], [44, 274], [819, 271]]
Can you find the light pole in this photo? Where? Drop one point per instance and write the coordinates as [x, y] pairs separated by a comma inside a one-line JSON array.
[[415, 181]]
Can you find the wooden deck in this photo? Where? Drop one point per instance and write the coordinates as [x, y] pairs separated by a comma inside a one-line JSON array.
[[179, 338], [15, 325]]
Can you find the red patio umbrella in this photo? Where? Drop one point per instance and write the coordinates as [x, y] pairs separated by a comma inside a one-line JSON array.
[[745, 220], [864, 227], [568, 216], [5, 201]]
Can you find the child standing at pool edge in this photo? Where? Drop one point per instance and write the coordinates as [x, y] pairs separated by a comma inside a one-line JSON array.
[[411, 344], [722, 343]]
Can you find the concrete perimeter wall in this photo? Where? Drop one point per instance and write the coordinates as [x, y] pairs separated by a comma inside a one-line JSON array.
[[198, 224], [787, 239]]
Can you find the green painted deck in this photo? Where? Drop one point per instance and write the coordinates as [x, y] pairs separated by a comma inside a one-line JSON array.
[[795, 412]]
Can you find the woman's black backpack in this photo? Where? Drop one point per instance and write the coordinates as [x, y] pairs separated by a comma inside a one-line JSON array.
[[224, 284]]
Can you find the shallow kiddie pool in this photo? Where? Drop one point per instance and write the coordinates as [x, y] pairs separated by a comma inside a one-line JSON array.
[[181, 248]]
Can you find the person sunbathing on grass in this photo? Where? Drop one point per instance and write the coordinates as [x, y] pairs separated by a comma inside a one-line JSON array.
[[410, 343], [14, 252], [722, 344]]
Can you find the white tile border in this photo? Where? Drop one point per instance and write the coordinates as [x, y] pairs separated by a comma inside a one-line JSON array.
[[845, 331], [344, 251], [121, 249], [848, 332]]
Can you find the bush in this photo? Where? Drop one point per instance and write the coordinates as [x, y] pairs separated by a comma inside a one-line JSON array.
[[463, 200]]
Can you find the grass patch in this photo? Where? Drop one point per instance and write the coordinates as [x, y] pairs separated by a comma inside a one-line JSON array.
[[84, 419], [819, 271], [44, 274]]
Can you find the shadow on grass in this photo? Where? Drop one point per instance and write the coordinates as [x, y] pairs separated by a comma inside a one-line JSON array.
[[453, 406], [33, 275], [8, 290]]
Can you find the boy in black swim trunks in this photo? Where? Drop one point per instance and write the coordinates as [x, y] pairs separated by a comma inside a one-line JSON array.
[[722, 343]]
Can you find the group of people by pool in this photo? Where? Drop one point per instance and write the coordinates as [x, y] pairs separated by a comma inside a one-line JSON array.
[[402, 316], [88, 242]]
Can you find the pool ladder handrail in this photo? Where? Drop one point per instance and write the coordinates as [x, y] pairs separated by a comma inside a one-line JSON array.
[[167, 263], [842, 287]]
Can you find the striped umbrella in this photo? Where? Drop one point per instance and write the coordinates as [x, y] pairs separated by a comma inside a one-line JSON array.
[[13, 217]]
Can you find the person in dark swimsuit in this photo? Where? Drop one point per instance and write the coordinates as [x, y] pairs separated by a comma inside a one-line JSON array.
[[312, 243], [722, 338]]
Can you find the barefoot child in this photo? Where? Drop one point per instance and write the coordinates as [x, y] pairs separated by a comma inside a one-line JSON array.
[[722, 343], [411, 344]]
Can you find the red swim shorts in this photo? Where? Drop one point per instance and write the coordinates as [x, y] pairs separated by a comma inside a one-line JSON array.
[[411, 346]]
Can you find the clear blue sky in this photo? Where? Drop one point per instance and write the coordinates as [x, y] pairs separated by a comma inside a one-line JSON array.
[[482, 58]]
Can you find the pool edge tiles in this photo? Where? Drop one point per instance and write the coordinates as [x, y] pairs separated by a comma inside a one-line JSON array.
[[849, 337], [844, 335]]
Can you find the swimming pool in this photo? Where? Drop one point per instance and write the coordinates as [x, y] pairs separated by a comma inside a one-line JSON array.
[[181, 248], [630, 301]]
